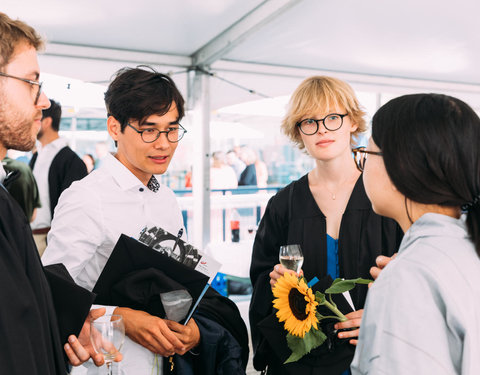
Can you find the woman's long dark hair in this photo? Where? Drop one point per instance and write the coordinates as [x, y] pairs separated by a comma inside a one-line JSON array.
[[431, 150]]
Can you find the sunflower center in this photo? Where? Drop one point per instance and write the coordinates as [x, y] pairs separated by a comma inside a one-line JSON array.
[[297, 303]]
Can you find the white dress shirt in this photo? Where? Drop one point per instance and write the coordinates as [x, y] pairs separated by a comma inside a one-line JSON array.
[[422, 314], [3, 174], [89, 218], [42, 166]]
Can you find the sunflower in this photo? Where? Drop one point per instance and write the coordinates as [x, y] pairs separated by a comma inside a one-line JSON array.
[[296, 304]]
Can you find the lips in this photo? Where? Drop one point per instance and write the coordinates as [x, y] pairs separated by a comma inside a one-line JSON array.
[[158, 159], [324, 142]]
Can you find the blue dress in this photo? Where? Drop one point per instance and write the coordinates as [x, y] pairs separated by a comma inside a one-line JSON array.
[[332, 266]]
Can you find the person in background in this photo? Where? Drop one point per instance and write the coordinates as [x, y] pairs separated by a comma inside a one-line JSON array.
[[422, 314], [101, 151], [234, 161], [249, 175], [31, 340], [22, 186], [89, 162], [261, 171], [55, 166], [124, 196], [222, 176], [329, 215]]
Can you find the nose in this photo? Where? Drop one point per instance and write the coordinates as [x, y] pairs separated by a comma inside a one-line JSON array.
[[321, 128], [162, 142], [43, 101]]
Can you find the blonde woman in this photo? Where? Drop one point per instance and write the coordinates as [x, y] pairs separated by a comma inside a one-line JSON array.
[[329, 215]]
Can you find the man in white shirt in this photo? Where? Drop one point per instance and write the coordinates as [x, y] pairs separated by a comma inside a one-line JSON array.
[[124, 196], [55, 166]]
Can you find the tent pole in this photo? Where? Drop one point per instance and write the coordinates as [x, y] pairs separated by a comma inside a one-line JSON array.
[[199, 98]]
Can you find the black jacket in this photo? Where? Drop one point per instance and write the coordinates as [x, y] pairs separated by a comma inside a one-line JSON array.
[[30, 342], [293, 217], [223, 348], [66, 167]]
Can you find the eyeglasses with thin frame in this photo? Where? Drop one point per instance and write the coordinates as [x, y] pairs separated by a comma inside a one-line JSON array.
[[33, 83], [360, 156], [331, 122], [150, 135]]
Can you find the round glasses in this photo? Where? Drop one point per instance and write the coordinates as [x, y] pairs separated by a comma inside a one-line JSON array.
[[174, 134], [360, 156], [331, 122], [29, 81]]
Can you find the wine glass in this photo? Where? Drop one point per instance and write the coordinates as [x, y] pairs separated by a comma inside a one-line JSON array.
[[291, 257], [107, 334]]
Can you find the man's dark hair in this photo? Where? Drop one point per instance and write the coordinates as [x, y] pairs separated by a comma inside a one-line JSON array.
[[136, 94], [430, 146], [55, 112]]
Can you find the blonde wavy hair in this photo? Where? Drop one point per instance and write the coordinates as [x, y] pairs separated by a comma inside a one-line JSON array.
[[320, 93]]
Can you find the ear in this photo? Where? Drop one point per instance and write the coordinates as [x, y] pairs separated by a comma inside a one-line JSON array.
[[354, 127], [113, 127], [46, 123]]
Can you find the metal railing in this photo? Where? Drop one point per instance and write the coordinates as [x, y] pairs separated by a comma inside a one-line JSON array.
[[241, 198]]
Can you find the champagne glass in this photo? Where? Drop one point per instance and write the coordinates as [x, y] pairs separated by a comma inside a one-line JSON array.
[[291, 257], [107, 334]]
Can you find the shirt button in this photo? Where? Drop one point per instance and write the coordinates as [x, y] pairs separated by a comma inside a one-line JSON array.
[[141, 189]]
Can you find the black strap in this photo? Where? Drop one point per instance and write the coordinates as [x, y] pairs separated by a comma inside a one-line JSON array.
[[33, 160]]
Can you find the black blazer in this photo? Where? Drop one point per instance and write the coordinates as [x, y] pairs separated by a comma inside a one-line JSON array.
[[293, 217], [31, 341], [66, 167]]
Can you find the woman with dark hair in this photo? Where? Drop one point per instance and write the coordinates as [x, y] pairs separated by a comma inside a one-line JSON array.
[[422, 315], [329, 215]]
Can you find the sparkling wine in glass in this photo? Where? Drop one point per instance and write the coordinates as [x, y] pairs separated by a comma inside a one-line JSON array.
[[107, 334], [291, 257]]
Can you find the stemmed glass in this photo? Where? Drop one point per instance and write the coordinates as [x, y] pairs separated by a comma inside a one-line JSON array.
[[107, 334], [291, 257]]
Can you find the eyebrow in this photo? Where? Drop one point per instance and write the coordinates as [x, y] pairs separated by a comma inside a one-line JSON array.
[[148, 123]]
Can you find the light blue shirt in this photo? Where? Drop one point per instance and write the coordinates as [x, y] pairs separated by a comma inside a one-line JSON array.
[[422, 315]]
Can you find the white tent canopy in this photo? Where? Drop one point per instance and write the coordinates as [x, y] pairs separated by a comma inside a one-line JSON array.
[[264, 47]]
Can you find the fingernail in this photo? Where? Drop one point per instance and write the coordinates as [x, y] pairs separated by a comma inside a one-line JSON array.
[[276, 268], [336, 326], [340, 335], [71, 339]]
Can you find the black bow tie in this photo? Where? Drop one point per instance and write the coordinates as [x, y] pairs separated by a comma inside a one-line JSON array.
[[153, 184]]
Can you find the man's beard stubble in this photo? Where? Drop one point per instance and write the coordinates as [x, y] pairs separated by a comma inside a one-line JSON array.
[[15, 129]]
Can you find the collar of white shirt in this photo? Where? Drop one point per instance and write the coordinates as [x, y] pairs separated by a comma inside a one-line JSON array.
[[3, 174], [125, 179]]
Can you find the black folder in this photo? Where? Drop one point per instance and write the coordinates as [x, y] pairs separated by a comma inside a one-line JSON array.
[[71, 302], [135, 275]]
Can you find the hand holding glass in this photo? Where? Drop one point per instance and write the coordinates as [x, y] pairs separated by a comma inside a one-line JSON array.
[[107, 334], [291, 257]]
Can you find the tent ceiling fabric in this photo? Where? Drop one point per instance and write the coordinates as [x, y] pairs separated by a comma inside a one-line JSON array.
[[420, 45]]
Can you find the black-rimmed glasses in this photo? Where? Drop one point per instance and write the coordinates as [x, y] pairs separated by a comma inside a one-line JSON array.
[[360, 156], [332, 122], [33, 83], [150, 135]]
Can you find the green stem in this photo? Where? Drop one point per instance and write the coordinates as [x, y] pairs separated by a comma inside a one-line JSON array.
[[331, 300], [336, 311]]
